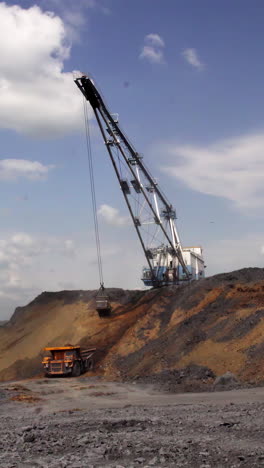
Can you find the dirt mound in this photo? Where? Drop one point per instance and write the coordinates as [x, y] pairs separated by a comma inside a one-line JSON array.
[[227, 381], [192, 378], [245, 275], [216, 324]]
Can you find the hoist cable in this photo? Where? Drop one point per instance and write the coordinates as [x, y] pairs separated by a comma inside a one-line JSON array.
[[93, 195]]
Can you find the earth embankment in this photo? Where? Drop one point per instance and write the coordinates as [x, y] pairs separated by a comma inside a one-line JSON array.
[[210, 326]]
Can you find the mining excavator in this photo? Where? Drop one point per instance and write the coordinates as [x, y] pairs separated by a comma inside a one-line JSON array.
[[153, 216]]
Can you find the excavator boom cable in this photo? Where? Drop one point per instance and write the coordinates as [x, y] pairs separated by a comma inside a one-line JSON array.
[[93, 194]]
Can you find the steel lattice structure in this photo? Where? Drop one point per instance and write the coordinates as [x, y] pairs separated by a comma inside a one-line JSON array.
[[152, 214]]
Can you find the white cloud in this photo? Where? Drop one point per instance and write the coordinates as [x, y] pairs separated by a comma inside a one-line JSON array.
[[20, 248], [69, 244], [21, 255], [74, 14], [232, 169], [30, 264], [153, 49], [68, 248], [37, 96], [12, 169], [21, 239], [192, 58], [112, 216], [155, 40]]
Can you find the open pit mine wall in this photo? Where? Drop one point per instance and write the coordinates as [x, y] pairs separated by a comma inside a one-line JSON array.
[[217, 322]]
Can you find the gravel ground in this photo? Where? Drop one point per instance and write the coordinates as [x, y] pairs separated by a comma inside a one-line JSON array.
[[195, 430]]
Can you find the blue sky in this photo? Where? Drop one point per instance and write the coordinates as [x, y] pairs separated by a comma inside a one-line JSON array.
[[187, 81]]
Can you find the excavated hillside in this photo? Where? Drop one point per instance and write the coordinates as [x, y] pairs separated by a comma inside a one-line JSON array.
[[217, 322]]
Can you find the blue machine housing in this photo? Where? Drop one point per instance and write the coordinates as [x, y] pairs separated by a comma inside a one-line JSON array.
[[160, 276]]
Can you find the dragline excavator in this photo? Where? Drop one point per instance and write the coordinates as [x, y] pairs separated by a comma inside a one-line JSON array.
[[152, 214]]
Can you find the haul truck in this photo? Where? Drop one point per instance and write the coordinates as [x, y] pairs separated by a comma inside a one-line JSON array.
[[67, 361]]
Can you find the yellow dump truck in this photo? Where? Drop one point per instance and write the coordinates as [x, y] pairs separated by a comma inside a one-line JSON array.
[[67, 361]]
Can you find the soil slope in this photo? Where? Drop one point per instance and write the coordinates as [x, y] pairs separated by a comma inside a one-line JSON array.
[[217, 322]]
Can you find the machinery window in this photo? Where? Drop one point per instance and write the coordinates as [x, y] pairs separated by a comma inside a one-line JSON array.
[[70, 353]]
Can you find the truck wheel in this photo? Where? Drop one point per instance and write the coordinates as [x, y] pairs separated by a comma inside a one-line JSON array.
[[76, 371], [90, 365]]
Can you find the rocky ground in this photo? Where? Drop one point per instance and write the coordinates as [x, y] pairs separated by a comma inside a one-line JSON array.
[[89, 423]]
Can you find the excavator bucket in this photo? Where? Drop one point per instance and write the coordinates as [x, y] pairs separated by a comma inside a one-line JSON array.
[[103, 306]]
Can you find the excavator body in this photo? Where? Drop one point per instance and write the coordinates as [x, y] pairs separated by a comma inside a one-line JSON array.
[[153, 216]]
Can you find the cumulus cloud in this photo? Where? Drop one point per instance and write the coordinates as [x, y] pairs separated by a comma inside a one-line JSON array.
[[37, 96], [74, 14], [20, 248], [12, 169], [232, 169], [68, 248], [192, 58], [21, 255], [112, 216], [154, 40], [153, 49], [21, 239], [30, 264]]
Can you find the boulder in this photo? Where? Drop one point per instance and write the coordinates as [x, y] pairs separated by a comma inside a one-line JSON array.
[[227, 381]]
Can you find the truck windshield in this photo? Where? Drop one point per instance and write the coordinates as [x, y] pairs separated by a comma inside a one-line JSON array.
[[69, 353]]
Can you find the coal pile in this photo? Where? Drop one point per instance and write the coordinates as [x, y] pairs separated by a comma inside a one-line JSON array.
[[192, 378], [171, 333]]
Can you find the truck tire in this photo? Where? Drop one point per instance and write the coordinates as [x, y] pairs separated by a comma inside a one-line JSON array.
[[76, 371], [90, 365]]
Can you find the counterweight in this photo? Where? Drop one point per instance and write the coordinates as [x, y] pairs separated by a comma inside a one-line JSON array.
[[152, 214]]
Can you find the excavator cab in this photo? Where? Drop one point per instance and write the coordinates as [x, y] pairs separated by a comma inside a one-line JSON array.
[[103, 305]]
